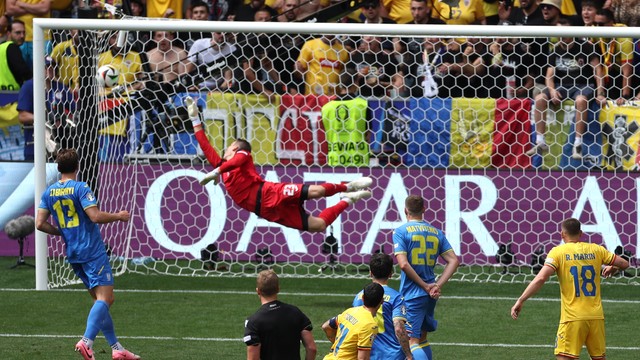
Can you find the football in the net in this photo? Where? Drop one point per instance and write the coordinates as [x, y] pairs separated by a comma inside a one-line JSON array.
[[107, 76]]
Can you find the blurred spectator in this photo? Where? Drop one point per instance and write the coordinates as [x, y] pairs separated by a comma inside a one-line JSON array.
[[551, 11], [371, 11], [589, 10], [370, 69], [322, 62], [409, 51], [62, 8], [247, 12], [626, 12], [167, 60], [490, 8], [129, 64], [461, 69], [65, 56], [617, 59], [397, 10], [290, 11], [422, 61], [258, 73], [164, 9], [26, 11], [199, 12], [60, 104], [211, 61], [508, 74], [528, 13], [284, 57], [219, 10], [4, 22], [574, 71], [466, 13], [13, 69], [137, 8], [308, 8]]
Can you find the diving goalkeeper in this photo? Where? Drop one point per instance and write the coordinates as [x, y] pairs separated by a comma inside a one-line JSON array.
[[276, 202]]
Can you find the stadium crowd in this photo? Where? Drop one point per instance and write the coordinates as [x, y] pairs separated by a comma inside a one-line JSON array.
[[367, 66]]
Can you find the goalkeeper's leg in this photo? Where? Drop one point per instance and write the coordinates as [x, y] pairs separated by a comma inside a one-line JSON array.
[[330, 189], [330, 214]]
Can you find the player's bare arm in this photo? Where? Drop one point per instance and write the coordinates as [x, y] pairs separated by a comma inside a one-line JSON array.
[[403, 262], [618, 264], [43, 224], [329, 330], [403, 338], [535, 285], [101, 217]]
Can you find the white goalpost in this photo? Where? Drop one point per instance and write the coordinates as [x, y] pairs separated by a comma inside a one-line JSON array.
[[464, 153]]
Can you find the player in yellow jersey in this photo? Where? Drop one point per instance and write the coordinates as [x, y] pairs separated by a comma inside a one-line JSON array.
[[353, 331], [578, 266]]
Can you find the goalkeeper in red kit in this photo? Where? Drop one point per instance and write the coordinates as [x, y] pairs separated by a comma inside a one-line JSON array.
[[276, 202]]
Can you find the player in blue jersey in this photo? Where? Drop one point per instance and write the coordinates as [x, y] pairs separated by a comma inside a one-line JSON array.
[[417, 246], [392, 342], [76, 213]]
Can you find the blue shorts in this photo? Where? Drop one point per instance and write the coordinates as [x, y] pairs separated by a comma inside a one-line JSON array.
[[96, 272], [420, 316]]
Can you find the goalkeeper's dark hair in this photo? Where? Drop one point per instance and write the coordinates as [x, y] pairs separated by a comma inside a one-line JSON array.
[[243, 145], [67, 160], [372, 295], [414, 205], [268, 283], [571, 227], [381, 266]]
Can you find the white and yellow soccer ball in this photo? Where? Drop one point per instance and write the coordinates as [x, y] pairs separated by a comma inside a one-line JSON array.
[[107, 76]]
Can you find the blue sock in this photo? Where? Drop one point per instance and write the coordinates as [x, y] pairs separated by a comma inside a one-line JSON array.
[[96, 316], [108, 330], [426, 348], [418, 353]]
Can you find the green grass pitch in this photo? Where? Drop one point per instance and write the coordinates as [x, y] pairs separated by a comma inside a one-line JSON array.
[[167, 317]]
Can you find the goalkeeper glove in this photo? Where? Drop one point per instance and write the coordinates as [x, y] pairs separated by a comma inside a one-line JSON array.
[[212, 176], [192, 110]]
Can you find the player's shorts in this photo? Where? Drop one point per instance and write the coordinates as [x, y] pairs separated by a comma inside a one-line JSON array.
[[282, 203], [420, 316], [573, 334], [96, 272]]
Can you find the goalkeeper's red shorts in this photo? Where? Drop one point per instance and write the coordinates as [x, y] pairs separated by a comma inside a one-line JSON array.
[[282, 203]]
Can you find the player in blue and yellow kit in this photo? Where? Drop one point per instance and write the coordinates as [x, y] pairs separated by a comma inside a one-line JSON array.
[[578, 266], [392, 342], [352, 332], [417, 246], [76, 213]]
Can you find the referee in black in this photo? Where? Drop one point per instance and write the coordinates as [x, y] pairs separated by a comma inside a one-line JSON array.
[[274, 332]]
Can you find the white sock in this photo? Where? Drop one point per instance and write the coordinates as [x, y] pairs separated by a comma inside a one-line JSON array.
[[347, 200], [577, 141], [117, 346], [88, 342]]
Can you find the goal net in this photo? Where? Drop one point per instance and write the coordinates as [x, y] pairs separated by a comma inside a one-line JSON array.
[[456, 114]]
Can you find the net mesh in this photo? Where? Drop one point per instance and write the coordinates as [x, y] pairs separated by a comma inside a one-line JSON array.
[[451, 119]]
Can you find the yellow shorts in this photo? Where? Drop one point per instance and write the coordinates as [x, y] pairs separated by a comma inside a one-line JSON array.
[[573, 334]]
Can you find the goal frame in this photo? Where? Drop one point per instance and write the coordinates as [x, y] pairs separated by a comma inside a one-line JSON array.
[[40, 25]]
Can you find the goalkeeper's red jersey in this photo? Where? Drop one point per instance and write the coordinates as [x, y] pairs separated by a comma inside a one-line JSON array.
[[239, 174]]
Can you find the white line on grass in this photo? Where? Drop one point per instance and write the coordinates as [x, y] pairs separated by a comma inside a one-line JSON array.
[[171, 338], [234, 292]]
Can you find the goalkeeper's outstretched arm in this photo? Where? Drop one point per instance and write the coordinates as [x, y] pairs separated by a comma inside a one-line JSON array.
[[210, 153]]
